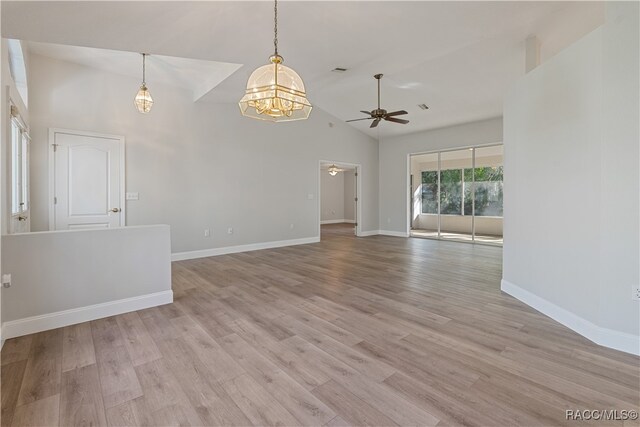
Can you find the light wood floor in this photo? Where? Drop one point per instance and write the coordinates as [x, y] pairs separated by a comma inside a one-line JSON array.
[[349, 331]]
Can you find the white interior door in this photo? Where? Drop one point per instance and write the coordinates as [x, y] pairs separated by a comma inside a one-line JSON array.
[[88, 180]]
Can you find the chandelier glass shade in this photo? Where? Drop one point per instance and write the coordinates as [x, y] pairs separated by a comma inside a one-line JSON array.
[[333, 170], [274, 91], [143, 100]]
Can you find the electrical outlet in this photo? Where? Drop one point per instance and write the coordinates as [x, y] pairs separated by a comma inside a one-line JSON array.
[[207, 232], [635, 293], [230, 230], [6, 280]]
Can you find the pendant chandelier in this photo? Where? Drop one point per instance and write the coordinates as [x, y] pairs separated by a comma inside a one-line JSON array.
[[333, 170], [275, 92], [143, 100]]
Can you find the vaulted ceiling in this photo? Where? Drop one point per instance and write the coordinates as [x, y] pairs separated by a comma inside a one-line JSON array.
[[459, 58]]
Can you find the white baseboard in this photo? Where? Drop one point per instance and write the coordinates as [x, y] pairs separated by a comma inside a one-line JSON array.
[[31, 325], [180, 256], [369, 233], [393, 233], [332, 221], [617, 340]]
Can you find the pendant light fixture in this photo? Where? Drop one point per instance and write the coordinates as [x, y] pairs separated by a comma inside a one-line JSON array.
[[333, 170], [143, 100], [275, 92]]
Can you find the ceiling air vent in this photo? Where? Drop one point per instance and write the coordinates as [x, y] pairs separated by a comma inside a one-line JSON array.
[[339, 70], [423, 106]]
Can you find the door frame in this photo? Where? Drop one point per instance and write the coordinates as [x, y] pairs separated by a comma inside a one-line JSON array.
[[358, 168], [51, 162]]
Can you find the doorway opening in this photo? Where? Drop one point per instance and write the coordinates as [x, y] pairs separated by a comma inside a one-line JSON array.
[[457, 194], [339, 201]]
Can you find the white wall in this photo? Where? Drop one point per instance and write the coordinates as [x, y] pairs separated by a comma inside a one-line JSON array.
[[66, 277], [332, 196], [8, 91], [571, 153], [198, 166], [394, 185], [349, 195]]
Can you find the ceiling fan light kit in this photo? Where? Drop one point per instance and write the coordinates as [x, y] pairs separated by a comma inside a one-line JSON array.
[[274, 91], [380, 114], [333, 170]]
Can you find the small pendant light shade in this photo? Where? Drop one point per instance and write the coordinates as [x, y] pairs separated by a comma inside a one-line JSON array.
[[333, 170], [143, 100]]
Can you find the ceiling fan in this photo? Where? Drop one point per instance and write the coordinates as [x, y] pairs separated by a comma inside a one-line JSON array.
[[379, 114]]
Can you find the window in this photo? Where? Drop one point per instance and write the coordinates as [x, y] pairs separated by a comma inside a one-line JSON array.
[[18, 69], [19, 165], [489, 195], [430, 192], [451, 192]]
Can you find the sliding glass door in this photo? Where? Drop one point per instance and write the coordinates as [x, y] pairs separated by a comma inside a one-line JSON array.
[[457, 194]]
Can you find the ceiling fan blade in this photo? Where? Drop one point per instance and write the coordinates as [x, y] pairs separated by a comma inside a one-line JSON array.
[[375, 123], [397, 113], [365, 112], [393, 119], [356, 120]]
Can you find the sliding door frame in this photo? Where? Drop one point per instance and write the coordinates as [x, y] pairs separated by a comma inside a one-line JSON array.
[[409, 200]]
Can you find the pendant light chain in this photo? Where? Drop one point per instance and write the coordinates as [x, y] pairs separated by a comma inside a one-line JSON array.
[[275, 27], [144, 56]]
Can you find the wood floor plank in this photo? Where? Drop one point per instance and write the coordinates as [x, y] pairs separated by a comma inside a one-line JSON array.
[[163, 397], [122, 415], [295, 398], [158, 325], [140, 345], [118, 378], [81, 401], [258, 404], [200, 385], [44, 367], [39, 413], [16, 349], [306, 374], [375, 369], [222, 367], [350, 407], [12, 374], [77, 347]]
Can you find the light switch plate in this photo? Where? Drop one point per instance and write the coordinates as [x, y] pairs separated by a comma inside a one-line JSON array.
[[131, 196]]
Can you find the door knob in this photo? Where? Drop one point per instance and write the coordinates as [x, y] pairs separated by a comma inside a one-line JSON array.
[[22, 218], [115, 210]]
